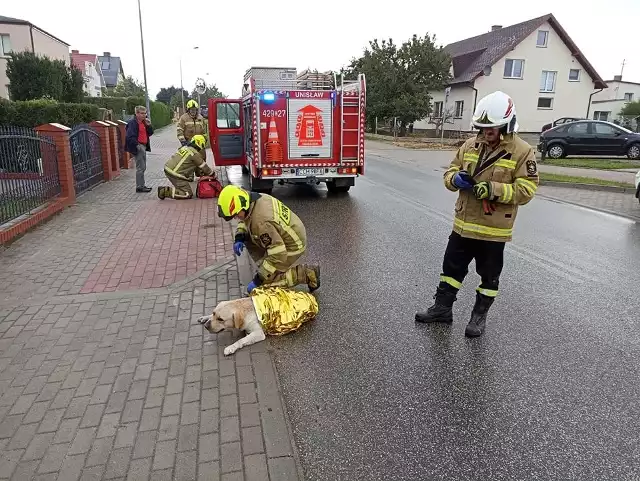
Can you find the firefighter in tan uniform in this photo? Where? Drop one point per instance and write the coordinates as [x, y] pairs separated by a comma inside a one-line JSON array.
[[275, 238], [192, 123], [181, 167], [494, 173]]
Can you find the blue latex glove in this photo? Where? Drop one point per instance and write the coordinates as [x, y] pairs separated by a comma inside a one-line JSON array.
[[237, 247], [183, 143], [252, 285], [462, 180]]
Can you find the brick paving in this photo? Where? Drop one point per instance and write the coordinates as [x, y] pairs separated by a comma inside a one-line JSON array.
[[618, 203], [104, 373]]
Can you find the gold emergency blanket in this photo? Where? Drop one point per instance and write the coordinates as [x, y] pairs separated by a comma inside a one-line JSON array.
[[281, 311]]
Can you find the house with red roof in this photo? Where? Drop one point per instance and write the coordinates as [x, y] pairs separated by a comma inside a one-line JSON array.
[[89, 65], [535, 62]]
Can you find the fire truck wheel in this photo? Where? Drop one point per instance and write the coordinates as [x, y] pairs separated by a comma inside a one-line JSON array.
[[337, 189]]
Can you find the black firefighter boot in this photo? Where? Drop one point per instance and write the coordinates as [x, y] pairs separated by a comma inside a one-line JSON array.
[[441, 311], [478, 320]]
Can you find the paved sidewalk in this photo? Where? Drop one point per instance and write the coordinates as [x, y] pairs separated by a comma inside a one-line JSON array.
[[624, 204], [104, 373]]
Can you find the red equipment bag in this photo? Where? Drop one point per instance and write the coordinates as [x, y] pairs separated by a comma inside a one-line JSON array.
[[208, 188]]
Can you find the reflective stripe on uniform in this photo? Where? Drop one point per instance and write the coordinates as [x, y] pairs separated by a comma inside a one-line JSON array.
[[482, 229], [172, 173], [509, 164], [487, 292], [529, 186], [451, 281], [276, 250], [266, 265], [242, 228], [507, 194], [470, 157]]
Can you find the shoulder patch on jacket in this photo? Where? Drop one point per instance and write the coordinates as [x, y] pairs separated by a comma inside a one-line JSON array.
[[265, 239], [532, 167]]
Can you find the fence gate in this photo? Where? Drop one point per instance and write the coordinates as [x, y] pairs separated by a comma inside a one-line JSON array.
[[28, 171], [85, 154]]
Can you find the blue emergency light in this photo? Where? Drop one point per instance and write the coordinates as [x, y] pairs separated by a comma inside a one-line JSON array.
[[268, 97]]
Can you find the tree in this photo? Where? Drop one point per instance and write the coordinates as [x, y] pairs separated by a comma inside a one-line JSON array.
[[445, 117], [632, 109], [166, 93], [35, 77], [129, 87], [211, 92], [399, 78]]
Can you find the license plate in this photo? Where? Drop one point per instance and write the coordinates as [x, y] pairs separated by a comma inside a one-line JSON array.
[[308, 172]]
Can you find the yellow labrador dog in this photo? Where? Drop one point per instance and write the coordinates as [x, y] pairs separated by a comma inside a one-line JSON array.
[[236, 314]]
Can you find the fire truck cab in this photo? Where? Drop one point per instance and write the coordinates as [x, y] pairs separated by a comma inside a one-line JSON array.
[[292, 128]]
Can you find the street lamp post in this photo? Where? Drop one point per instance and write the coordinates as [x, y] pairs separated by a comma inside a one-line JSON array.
[[144, 65], [181, 85]]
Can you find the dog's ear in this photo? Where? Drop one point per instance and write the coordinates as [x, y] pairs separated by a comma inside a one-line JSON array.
[[238, 319]]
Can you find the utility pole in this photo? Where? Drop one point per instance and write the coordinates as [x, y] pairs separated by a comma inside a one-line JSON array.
[[144, 66]]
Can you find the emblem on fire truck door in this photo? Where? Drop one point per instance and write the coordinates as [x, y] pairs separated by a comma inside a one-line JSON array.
[[309, 127]]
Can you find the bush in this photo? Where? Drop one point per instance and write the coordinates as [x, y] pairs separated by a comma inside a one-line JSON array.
[[32, 113], [161, 114], [117, 104]]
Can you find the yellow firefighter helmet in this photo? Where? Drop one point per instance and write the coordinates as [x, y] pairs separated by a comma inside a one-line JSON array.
[[199, 141], [192, 104], [231, 201]]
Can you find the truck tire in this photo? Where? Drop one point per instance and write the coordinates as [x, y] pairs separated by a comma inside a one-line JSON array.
[[245, 170], [337, 189], [260, 185]]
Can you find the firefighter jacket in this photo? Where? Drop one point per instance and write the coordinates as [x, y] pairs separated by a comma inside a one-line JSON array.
[[185, 162], [272, 226], [188, 127], [512, 172]]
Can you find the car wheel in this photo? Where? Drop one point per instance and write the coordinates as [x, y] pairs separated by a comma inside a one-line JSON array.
[[633, 152], [555, 151]]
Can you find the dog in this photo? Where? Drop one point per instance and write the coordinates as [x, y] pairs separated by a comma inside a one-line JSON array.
[[236, 314]]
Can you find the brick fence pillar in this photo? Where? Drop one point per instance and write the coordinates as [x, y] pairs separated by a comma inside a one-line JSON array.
[[105, 151], [125, 159], [60, 135], [115, 151]]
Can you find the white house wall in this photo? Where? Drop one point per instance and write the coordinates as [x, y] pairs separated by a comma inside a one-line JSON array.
[[464, 94], [46, 45], [570, 98], [617, 91]]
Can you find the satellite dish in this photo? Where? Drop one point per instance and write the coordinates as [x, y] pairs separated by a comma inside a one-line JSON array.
[[201, 86], [486, 71]]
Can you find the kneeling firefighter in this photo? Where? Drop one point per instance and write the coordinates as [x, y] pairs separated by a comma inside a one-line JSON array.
[[494, 173], [275, 238], [182, 166]]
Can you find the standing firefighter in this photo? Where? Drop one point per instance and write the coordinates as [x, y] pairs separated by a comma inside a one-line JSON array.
[[192, 123], [181, 167], [275, 238], [495, 172]]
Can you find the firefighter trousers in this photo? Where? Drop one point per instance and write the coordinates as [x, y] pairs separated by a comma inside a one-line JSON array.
[[291, 275], [181, 189], [489, 257]]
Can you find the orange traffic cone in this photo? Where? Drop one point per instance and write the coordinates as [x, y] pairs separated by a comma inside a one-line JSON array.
[[273, 148]]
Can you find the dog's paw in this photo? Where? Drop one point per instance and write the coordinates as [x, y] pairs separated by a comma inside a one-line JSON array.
[[229, 350]]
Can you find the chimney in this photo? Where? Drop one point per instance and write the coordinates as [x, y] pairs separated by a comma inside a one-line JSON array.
[[617, 78], [75, 51], [107, 54], [495, 27]]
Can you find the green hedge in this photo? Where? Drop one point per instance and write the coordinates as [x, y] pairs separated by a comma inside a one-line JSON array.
[[161, 114], [32, 113]]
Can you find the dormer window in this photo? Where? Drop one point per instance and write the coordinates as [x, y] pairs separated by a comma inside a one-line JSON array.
[[543, 37]]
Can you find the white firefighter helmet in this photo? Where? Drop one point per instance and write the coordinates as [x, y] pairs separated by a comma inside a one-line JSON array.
[[496, 110]]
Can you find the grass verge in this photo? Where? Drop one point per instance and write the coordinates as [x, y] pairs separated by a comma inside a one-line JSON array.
[[600, 164], [571, 179]]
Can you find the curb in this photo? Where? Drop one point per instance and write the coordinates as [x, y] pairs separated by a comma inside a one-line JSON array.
[[608, 188], [584, 206]]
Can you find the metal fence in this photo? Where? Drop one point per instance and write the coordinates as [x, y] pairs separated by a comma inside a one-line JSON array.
[[86, 158], [28, 171]]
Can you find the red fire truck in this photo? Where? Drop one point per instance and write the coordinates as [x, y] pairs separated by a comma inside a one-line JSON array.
[[292, 128]]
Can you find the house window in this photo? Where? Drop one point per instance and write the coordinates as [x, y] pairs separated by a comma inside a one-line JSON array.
[[628, 97], [574, 75], [437, 109], [545, 103], [548, 81], [543, 36], [105, 65], [459, 108], [513, 68], [599, 115], [5, 45]]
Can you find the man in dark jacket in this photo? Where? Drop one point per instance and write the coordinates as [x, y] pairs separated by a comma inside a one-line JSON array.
[[139, 130]]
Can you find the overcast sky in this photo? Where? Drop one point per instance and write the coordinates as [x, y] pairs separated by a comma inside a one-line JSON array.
[[234, 35]]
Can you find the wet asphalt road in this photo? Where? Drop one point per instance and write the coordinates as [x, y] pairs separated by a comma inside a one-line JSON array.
[[550, 392]]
